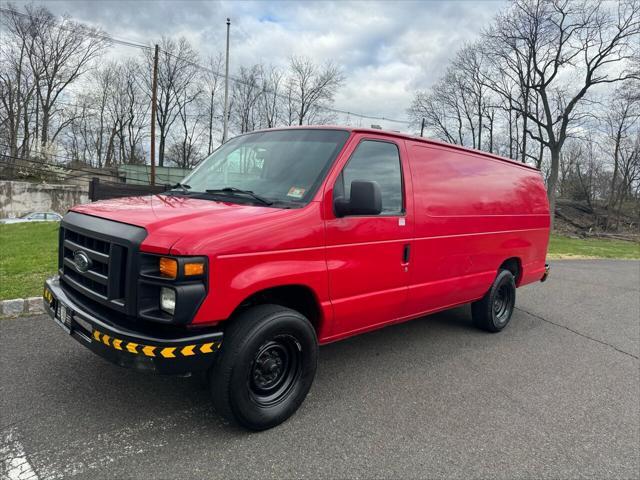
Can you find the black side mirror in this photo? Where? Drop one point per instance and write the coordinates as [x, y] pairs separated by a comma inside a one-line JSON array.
[[366, 199]]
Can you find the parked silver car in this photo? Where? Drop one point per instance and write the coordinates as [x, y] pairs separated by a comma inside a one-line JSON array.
[[34, 217]]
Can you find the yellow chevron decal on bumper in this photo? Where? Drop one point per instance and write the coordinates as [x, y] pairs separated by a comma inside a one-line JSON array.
[[188, 350], [151, 350], [168, 352], [148, 351]]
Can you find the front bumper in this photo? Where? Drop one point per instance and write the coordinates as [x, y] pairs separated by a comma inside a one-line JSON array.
[[177, 352]]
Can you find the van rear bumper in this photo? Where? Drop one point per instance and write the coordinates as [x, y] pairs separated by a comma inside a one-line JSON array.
[[178, 353]]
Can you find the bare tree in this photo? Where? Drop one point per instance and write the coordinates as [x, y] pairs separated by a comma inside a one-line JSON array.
[[245, 98], [17, 85], [312, 86], [471, 68], [177, 70], [447, 109], [572, 46], [185, 151], [60, 52], [213, 85], [620, 122], [135, 112], [272, 98]]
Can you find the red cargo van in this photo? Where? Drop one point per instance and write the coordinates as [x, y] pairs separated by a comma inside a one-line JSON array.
[[289, 238]]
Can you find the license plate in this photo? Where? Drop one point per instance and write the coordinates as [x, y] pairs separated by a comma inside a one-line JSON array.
[[63, 315]]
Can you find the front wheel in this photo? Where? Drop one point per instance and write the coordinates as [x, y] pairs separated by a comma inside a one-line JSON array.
[[265, 367], [493, 311]]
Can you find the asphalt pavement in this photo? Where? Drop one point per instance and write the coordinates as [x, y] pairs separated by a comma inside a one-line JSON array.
[[555, 395]]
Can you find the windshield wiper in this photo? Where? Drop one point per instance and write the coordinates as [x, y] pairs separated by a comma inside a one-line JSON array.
[[182, 186], [234, 190]]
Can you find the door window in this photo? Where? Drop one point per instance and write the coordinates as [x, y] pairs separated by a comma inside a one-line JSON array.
[[379, 162]]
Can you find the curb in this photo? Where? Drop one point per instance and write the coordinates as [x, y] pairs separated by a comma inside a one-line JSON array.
[[21, 306]]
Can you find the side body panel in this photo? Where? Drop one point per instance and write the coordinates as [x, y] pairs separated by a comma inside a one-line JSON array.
[[472, 213]]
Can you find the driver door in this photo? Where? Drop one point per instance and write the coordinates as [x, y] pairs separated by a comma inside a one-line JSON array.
[[368, 256]]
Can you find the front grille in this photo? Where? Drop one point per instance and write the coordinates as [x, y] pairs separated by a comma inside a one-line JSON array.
[[105, 278], [112, 249]]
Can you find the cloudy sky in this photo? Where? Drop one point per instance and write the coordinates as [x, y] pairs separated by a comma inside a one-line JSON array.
[[386, 50]]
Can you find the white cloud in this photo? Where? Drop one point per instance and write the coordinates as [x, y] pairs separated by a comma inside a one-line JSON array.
[[386, 50]]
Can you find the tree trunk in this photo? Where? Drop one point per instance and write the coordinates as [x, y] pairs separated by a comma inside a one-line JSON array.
[[510, 132], [553, 181], [614, 180], [161, 151], [44, 131], [524, 139], [210, 147]]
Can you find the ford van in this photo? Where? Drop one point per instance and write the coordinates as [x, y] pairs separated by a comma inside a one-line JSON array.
[[286, 239]]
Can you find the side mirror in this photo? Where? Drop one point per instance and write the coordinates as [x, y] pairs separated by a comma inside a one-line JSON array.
[[366, 199]]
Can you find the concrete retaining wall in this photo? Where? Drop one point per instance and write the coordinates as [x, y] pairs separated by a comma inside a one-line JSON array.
[[18, 198]]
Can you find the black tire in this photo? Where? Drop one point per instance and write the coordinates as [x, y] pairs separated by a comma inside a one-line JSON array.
[[265, 367], [493, 311]]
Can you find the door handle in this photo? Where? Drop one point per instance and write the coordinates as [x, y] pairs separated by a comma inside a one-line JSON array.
[[406, 253]]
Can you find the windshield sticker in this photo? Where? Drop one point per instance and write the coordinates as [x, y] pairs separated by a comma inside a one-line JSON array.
[[296, 192]]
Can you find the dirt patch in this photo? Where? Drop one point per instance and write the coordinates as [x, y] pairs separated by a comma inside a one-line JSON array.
[[577, 219]]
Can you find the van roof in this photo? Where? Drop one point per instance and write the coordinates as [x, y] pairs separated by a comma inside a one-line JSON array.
[[406, 136]]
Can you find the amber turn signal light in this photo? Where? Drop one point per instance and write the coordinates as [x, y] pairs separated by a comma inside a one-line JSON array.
[[191, 269], [168, 267]]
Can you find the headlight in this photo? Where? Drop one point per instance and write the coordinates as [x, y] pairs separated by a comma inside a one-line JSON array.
[[168, 300]]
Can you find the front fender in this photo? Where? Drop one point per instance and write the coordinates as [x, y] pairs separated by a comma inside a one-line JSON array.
[[234, 278]]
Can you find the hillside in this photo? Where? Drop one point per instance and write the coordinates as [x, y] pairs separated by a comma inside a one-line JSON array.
[[579, 219]]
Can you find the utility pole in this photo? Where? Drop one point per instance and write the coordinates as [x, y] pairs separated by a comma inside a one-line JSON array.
[[225, 123], [154, 94], [422, 129]]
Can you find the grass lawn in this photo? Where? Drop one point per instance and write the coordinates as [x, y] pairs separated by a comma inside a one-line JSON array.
[[565, 247], [29, 252], [28, 255]]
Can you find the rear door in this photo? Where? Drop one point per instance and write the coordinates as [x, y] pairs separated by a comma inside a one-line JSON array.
[[368, 256]]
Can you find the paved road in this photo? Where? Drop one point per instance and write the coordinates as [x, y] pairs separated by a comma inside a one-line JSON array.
[[555, 395]]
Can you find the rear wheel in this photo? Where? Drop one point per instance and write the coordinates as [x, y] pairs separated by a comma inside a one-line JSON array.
[[493, 311], [266, 366]]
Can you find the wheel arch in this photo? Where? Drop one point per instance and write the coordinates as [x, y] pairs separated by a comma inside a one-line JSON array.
[[514, 265], [299, 297]]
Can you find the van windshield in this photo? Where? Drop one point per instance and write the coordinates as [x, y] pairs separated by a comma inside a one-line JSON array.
[[271, 167]]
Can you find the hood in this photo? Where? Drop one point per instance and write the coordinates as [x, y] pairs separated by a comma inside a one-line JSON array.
[[168, 218]]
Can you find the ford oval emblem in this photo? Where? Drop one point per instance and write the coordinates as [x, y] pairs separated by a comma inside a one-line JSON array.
[[81, 260]]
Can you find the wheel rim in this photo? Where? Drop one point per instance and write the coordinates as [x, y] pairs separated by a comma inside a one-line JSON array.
[[502, 304], [275, 369]]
